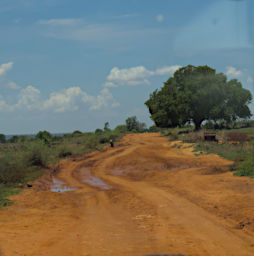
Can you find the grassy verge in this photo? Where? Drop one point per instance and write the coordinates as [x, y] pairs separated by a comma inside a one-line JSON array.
[[240, 150], [23, 160]]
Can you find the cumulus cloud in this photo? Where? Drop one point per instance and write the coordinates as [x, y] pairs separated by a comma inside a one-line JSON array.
[[136, 75], [160, 17], [64, 100], [102, 100], [12, 85], [131, 76], [170, 70], [29, 98], [5, 67], [232, 71], [61, 22], [69, 99]]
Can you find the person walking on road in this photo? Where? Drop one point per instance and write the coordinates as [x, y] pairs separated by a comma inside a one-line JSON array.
[[111, 143]]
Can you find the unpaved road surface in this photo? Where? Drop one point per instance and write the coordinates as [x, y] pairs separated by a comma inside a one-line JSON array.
[[143, 197]]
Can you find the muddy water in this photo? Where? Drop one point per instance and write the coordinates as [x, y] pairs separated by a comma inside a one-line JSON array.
[[97, 182], [60, 187], [85, 174]]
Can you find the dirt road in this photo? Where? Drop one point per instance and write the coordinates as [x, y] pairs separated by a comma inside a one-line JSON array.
[[143, 197]]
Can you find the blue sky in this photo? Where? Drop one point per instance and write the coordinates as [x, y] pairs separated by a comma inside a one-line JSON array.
[[68, 65]]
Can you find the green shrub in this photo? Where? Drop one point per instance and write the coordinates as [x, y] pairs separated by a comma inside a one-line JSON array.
[[154, 128], [121, 129], [104, 140], [77, 133], [2, 138], [12, 169], [37, 154], [64, 151], [13, 139], [45, 136], [4, 202], [98, 131], [174, 134], [246, 167]]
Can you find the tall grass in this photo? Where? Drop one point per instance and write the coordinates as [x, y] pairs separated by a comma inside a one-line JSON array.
[[246, 167], [236, 145], [22, 161]]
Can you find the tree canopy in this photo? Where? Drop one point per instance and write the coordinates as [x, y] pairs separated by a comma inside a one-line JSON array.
[[2, 138], [132, 124], [195, 94], [44, 136]]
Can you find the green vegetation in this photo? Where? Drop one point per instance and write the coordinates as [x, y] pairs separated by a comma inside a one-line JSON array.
[[195, 94], [2, 138], [133, 125], [235, 144], [23, 158], [246, 167]]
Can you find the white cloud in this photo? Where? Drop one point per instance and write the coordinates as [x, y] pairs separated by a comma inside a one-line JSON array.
[[61, 22], [64, 100], [104, 99], [70, 99], [4, 106], [170, 70], [110, 84], [136, 75], [250, 79], [232, 71], [5, 67], [12, 85], [29, 98], [160, 17], [130, 76]]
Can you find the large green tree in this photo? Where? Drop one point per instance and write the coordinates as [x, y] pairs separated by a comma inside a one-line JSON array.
[[195, 94]]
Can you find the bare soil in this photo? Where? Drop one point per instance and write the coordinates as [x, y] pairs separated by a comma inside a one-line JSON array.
[[143, 197]]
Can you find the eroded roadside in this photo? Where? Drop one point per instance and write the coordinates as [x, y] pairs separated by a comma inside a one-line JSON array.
[[143, 197]]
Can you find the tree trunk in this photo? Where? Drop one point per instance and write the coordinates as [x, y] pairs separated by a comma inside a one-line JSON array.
[[197, 124]]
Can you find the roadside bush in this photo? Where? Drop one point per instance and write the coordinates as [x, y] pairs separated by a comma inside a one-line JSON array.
[[133, 125], [45, 136], [37, 154], [98, 131], [12, 169], [174, 134], [193, 137], [246, 168], [77, 133], [104, 140], [2, 138], [121, 129], [237, 137], [154, 128], [13, 139], [64, 151]]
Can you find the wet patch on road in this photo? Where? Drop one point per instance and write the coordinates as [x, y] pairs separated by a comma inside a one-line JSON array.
[[118, 172], [60, 187], [85, 175], [97, 182]]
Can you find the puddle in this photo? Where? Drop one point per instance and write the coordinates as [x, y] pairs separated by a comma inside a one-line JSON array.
[[118, 172], [60, 187], [97, 182], [86, 176]]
